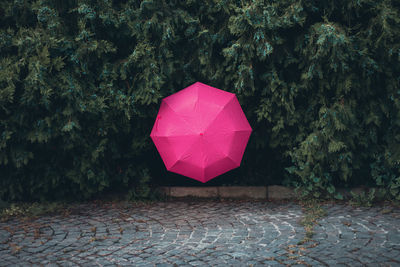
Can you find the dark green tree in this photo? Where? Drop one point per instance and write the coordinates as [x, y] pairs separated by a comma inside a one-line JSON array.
[[81, 82]]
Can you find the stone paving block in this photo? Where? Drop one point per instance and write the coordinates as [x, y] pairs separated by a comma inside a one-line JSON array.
[[271, 263], [197, 263]]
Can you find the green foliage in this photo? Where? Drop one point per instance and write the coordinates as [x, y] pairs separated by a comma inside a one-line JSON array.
[[142, 188], [3, 205], [387, 175], [81, 82], [29, 210], [362, 198]]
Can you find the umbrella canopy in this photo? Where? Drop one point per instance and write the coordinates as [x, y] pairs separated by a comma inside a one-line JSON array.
[[201, 132]]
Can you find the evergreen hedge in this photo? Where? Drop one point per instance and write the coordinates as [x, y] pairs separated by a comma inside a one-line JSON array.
[[81, 82]]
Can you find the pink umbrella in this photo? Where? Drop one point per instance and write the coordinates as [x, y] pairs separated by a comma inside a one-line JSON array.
[[201, 132]]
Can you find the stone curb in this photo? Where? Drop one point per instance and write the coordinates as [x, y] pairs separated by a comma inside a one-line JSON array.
[[255, 192], [273, 192]]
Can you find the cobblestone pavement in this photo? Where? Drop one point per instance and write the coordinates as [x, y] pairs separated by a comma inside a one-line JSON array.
[[231, 233]]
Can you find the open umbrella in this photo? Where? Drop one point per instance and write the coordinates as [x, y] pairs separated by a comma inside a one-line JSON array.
[[201, 132]]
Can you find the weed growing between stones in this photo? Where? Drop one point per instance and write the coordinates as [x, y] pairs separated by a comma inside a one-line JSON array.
[[313, 212]]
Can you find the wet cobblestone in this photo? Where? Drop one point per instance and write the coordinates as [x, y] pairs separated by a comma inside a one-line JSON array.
[[202, 234]]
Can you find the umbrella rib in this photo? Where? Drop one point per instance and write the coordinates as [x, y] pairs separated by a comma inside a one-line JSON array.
[[227, 156], [173, 165], [189, 127], [183, 154], [219, 112]]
